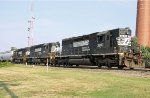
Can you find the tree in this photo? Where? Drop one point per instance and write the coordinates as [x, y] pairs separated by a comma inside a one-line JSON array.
[[134, 44], [145, 50]]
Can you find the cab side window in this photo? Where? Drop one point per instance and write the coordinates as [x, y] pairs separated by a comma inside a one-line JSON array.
[[101, 38]]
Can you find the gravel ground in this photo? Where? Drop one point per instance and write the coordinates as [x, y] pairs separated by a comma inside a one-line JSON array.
[[144, 72]]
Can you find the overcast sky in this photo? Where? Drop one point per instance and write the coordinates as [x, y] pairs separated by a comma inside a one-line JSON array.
[[58, 19]]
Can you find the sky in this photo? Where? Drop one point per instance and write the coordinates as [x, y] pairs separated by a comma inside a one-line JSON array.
[[59, 19]]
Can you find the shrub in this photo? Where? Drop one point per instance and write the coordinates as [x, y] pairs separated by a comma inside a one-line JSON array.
[[145, 50]]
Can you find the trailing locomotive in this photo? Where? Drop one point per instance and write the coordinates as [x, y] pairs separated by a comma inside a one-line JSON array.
[[21, 55], [37, 54], [111, 48], [43, 53]]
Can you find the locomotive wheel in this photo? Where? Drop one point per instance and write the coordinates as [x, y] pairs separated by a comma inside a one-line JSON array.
[[120, 67], [108, 65], [70, 65], [131, 68], [99, 65], [64, 65]]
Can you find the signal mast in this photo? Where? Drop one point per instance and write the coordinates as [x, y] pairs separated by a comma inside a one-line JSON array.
[[31, 26]]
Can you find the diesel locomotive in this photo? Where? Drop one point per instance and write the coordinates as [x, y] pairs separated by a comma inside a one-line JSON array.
[[37, 54], [21, 55], [111, 48]]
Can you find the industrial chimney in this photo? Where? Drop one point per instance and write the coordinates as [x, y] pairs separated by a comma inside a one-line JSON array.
[[143, 22]]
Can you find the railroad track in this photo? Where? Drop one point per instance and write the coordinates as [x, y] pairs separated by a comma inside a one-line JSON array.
[[144, 72]]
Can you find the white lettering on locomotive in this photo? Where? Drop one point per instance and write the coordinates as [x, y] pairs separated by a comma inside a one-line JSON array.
[[124, 40], [37, 49], [81, 43], [85, 48], [20, 52], [100, 45]]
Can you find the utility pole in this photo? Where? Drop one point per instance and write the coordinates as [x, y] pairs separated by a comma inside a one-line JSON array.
[[31, 25]]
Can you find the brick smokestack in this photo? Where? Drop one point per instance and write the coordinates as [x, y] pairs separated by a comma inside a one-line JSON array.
[[143, 22]]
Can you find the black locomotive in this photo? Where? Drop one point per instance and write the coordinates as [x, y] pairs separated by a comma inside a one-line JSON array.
[[43, 53], [37, 54], [20, 55], [99, 48], [111, 48]]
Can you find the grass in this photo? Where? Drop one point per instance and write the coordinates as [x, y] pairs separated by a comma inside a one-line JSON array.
[[5, 64], [20, 81]]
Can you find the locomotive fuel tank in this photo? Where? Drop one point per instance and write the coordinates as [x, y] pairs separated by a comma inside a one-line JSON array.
[[79, 59]]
